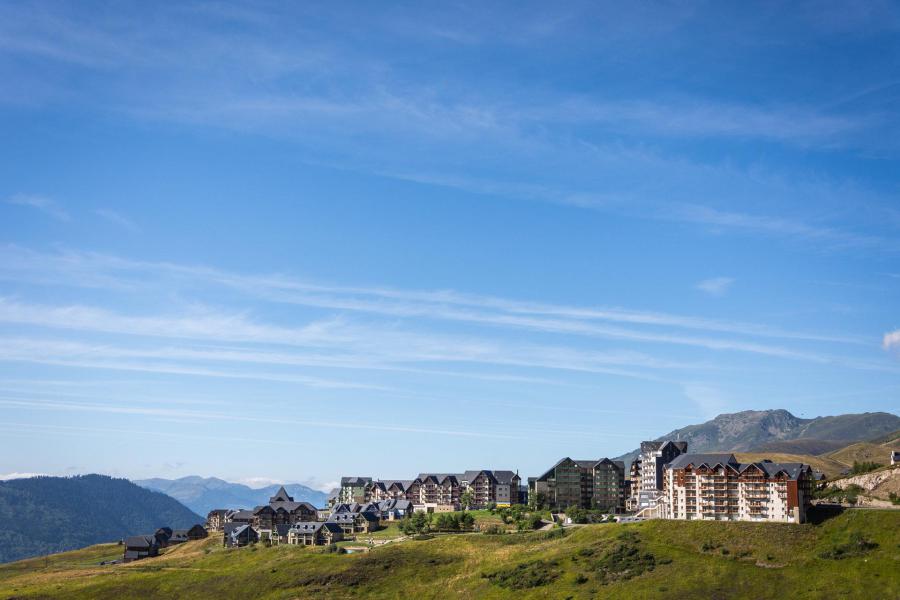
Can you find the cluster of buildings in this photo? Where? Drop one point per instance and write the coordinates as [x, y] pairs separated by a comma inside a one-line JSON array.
[[664, 481], [284, 521], [436, 492], [145, 546]]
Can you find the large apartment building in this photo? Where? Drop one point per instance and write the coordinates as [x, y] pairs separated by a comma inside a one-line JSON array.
[[647, 472], [355, 489], [584, 483], [718, 487], [436, 491]]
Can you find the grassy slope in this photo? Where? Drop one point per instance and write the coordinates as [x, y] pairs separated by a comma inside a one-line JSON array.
[[762, 561], [864, 452], [830, 467]]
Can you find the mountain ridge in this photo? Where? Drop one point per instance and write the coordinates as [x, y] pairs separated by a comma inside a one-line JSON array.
[[203, 494], [43, 515], [757, 430]]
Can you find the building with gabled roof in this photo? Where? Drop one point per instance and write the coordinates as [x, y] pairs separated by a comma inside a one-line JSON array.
[[591, 483], [314, 533], [355, 489], [237, 535], [139, 546], [718, 487]]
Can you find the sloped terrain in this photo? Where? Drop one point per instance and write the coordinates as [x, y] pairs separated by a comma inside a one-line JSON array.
[[51, 514], [853, 555]]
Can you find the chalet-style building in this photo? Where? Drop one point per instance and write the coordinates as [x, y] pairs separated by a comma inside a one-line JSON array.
[[355, 489], [281, 510], [397, 489], [491, 487], [237, 535], [718, 487], [359, 521], [650, 470], [314, 533], [596, 484], [216, 519], [435, 492], [163, 535], [140, 546], [179, 536], [394, 510]]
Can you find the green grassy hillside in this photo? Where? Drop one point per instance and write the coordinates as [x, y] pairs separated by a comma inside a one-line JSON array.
[[877, 451], [854, 555]]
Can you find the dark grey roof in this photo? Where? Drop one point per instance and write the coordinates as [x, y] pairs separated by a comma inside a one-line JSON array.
[[332, 527], [179, 535], [440, 478], [355, 481], [307, 526], [281, 529], [218, 511], [281, 496], [140, 541], [292, 506], [399, 504], [230, 527], [771, 469], [342, 518], [650, 446], [504, 477], [387, 484], [242, 514], [711, 460]]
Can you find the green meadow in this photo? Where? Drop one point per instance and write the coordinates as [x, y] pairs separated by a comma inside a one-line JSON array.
[[855, 554]]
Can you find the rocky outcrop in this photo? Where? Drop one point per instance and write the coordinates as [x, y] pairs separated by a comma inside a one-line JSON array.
[[879, 481]]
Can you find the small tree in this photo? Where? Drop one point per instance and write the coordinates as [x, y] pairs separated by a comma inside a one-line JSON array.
[[467, 499]]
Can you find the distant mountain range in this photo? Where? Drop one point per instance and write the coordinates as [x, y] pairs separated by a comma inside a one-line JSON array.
[[202, 494], [779, 431], [44, 515]]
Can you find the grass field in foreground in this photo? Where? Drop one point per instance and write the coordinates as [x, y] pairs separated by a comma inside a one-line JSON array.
[[853, 555]]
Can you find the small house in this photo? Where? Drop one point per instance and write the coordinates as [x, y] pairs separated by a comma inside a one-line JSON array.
[[140, 546]]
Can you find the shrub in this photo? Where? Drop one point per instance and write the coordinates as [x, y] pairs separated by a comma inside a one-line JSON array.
[[863, 467], [524, 576], [857, 545]]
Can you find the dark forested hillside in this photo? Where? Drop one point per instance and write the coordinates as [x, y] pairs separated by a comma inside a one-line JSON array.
[[52, 514]]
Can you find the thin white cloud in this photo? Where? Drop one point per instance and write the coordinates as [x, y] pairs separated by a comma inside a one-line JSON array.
[[716, 286], [14, 475], [891, 340], [94, 270], [41, 203], [116, 218]]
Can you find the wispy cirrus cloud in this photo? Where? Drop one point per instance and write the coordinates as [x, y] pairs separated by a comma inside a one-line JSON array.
[[42, 203], [716, 286], [116, 219], [96, 270]]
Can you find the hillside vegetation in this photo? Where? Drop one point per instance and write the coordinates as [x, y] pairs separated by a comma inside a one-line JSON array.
[[51, 514], [853, 555], [876, 451]]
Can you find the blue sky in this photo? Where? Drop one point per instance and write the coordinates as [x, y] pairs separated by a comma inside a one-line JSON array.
[[255, 242]]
